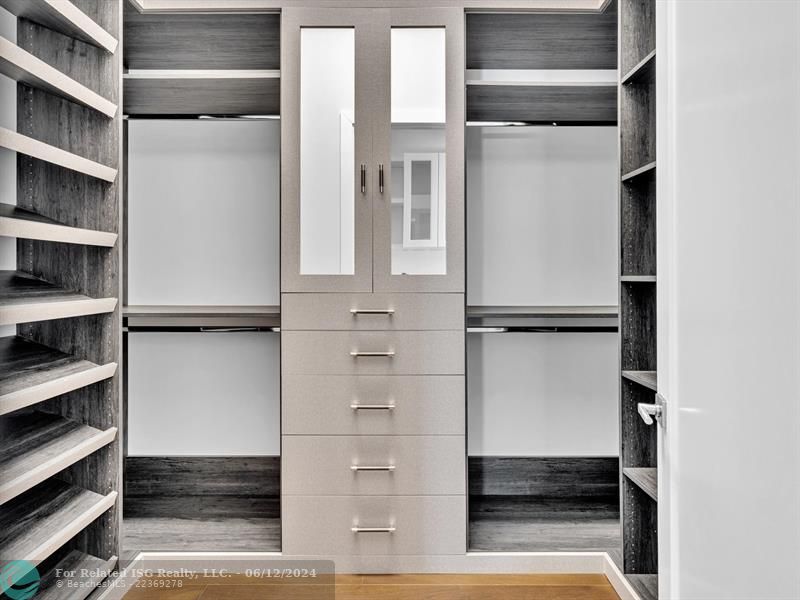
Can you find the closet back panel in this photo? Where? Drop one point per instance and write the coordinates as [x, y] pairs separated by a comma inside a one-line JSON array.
[[203, 212], [542, 394], [542, 216], [203, 394], [8, 160]]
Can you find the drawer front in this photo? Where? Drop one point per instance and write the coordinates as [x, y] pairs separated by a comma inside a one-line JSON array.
[[346, 353], [323, 525], [376, 312], [373, 465], [323, 404]]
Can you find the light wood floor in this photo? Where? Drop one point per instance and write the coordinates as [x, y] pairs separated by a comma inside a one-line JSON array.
[[384, 587]]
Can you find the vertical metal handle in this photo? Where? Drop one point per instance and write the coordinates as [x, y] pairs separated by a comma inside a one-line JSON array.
[[363, 178], [380, 177]]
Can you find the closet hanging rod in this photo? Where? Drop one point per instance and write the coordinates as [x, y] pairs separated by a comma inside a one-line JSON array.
[[542, 329], [210, 329], [190, 117]]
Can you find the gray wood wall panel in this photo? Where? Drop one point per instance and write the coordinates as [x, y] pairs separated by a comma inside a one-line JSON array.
[[202, 96], [637, 32], [638, 440], [638, 326], [79, 200], [201, 41], [544, 477], [639, 530], [202, 486], [637, 125], [542, 41], [542, 104], [638, 225]]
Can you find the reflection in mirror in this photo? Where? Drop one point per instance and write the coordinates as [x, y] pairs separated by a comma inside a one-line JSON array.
[[327, 149], [418, 152]]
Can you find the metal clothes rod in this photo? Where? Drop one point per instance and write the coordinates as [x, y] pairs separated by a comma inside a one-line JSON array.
[[173, 329], [558, 329]]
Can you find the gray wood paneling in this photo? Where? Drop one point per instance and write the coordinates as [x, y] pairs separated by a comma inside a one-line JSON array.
[[542, 41], [645, 585], [638, 326], [638, 439], [201, 535], [544, 477], [224, 96], [639, 530], [646, 478], [205, 487], [637, 125], [567, 104], [201, 41], [83, 201], [638, 225], [637, 31], [523, 524]]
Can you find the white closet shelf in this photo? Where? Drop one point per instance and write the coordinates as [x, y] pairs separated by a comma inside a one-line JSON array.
[[648, 379], [39, 445], [22, 223], [26, 145], [638, 279], [201, 316], [649, 168], [24, 67], [37, 523], [62, 16], [89, 573], [543, 311], [31, 373], [24, 299], [644, 72], [646, 478]]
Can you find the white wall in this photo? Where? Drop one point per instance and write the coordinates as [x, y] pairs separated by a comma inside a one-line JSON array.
[[208, 394], [729, 298], [543, 394], [542, 215], [203, 212], [8, 160]]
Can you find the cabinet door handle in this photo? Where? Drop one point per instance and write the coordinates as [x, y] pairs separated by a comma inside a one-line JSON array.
[[372, 467], [373, 529], [386, 354], [363, 178], [372, 311], [372, 406], [380, 177]]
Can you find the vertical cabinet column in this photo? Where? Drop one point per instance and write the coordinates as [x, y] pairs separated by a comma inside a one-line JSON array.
[[372, 332]]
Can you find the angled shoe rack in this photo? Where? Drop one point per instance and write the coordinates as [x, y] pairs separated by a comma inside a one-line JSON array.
[[59, 392]]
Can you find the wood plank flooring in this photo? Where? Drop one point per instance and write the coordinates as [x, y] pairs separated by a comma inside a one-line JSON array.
[[384, 587]]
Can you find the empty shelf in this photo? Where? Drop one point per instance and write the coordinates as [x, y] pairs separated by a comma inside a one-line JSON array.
[[62, 16], [202, 316], [37, 445], [22, 223], [197, 92], [543, 311], [24, 299], [644, 72], [645, 585], [31, 373], [23, 66], [564, 318], [39, 150], [645, 478], [89, 572], [646, 378], [648, 168], [638, 279], [40, 521]]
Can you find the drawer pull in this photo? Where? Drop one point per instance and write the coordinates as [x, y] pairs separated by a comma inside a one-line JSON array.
[[372, 529], [372, 311], [372, 467], [386, 354], [372, 406]]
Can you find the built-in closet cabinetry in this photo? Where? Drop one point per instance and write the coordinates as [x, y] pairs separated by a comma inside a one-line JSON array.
[[542, 185], [202, 443], [640, 403], [59, 312], [372, 281]]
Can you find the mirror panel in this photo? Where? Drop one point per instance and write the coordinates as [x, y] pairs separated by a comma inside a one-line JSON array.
[[327, 151]]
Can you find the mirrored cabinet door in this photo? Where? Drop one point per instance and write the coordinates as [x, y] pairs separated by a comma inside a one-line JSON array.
[[418, 144], [326, 173]]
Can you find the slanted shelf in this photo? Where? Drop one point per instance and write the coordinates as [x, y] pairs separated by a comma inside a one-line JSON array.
[[38, 445], [37, 523], [74, 577], [25, 298], [648, 379], [31, 373], [62, 16], [21, 223], [644, 477]]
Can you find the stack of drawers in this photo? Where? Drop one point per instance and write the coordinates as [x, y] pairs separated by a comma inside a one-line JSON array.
[[373, 456]]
